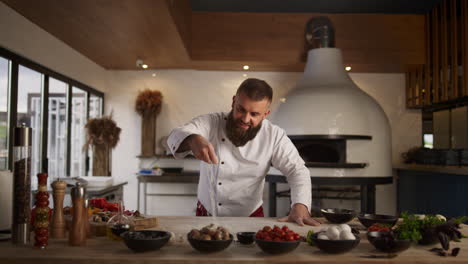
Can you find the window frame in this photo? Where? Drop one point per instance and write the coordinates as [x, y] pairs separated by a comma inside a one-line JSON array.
[[15, 61]]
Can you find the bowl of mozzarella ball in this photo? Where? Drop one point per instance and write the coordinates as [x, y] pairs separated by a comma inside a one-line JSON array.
[[336, 239]]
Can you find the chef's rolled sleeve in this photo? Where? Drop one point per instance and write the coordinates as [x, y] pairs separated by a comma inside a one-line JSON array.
[[286, 159], [199, 125]]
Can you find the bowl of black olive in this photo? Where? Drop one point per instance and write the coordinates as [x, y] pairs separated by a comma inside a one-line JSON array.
[[145, 240]]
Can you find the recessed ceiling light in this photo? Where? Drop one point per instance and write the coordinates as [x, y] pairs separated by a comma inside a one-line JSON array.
[[246, 67], [140, 63], [348, 68], [154, 74], [245, 75]]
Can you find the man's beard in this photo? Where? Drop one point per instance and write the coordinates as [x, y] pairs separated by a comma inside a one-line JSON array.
[[238, 136]]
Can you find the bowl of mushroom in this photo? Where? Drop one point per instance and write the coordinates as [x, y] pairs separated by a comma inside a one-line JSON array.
[[210, 238]]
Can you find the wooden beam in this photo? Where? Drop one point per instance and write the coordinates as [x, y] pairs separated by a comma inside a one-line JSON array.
[[182, 15]]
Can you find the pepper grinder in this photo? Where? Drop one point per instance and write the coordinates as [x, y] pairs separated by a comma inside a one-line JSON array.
[[21, 186], [77, 234], [58, 221]]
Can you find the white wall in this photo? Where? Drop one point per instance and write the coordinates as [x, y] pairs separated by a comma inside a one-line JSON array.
[[188, 93], [25, 38]]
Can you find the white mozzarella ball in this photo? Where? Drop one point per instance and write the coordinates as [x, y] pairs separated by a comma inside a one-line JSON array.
[[420, 216], [441, 217], [333, 233], [345, 227], [345, 235], [323, 237]]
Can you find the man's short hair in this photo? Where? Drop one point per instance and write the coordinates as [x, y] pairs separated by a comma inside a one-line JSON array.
[[256, 89]]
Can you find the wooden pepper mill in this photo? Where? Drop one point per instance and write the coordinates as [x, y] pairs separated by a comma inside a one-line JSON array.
[[58, 220], [77, 232]]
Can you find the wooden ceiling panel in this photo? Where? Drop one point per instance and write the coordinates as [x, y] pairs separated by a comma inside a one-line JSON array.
[[167, 34], [364, 38], [111, 33]]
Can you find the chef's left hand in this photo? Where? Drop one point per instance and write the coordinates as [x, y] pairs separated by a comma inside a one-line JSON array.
[[300, 214]]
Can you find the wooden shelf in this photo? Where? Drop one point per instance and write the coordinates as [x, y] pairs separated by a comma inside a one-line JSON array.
[[162, 156]]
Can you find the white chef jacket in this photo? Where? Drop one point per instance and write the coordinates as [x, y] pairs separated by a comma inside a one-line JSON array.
[[237, 181]]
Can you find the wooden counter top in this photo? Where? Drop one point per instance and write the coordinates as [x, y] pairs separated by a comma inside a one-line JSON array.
[[102, 250]]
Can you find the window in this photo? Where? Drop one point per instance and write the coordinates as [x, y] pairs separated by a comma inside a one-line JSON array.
[[29, 114], [428, 141], [95, 106], [55, 107], [3, 114], [78, 121], [57, 129]]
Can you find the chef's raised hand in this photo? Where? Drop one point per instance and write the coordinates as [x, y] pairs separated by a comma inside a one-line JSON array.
[[202, 149], [300, 215]]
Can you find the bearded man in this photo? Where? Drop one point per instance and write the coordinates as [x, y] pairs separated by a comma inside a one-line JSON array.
[[237, 150]]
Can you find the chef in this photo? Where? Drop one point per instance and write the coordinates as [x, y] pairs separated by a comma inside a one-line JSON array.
[[237, 150]]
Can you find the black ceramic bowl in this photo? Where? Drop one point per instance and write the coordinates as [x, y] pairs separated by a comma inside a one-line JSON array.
[[335, 246], [338, 216], [429, 236], [209, 246], [246, 238], [369, 219], [385, 242], [145, 240], [277, 247]]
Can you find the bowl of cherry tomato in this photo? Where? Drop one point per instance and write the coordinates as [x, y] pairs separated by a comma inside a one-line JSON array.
[[277, 240]]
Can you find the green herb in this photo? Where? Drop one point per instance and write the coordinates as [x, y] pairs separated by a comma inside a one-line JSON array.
[[412, 226], [460, 220], [309, 237]]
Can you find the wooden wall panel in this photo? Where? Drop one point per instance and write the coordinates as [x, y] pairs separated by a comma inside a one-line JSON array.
[[435, 56], [427, 66], [453, 50], [464, 46], [443, 30], [409, 89]]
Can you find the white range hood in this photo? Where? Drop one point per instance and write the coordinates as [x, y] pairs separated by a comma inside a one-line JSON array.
[[327, 102]]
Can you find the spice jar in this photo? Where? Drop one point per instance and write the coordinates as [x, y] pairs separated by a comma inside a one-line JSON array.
[[41, 213], [21, 185]]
